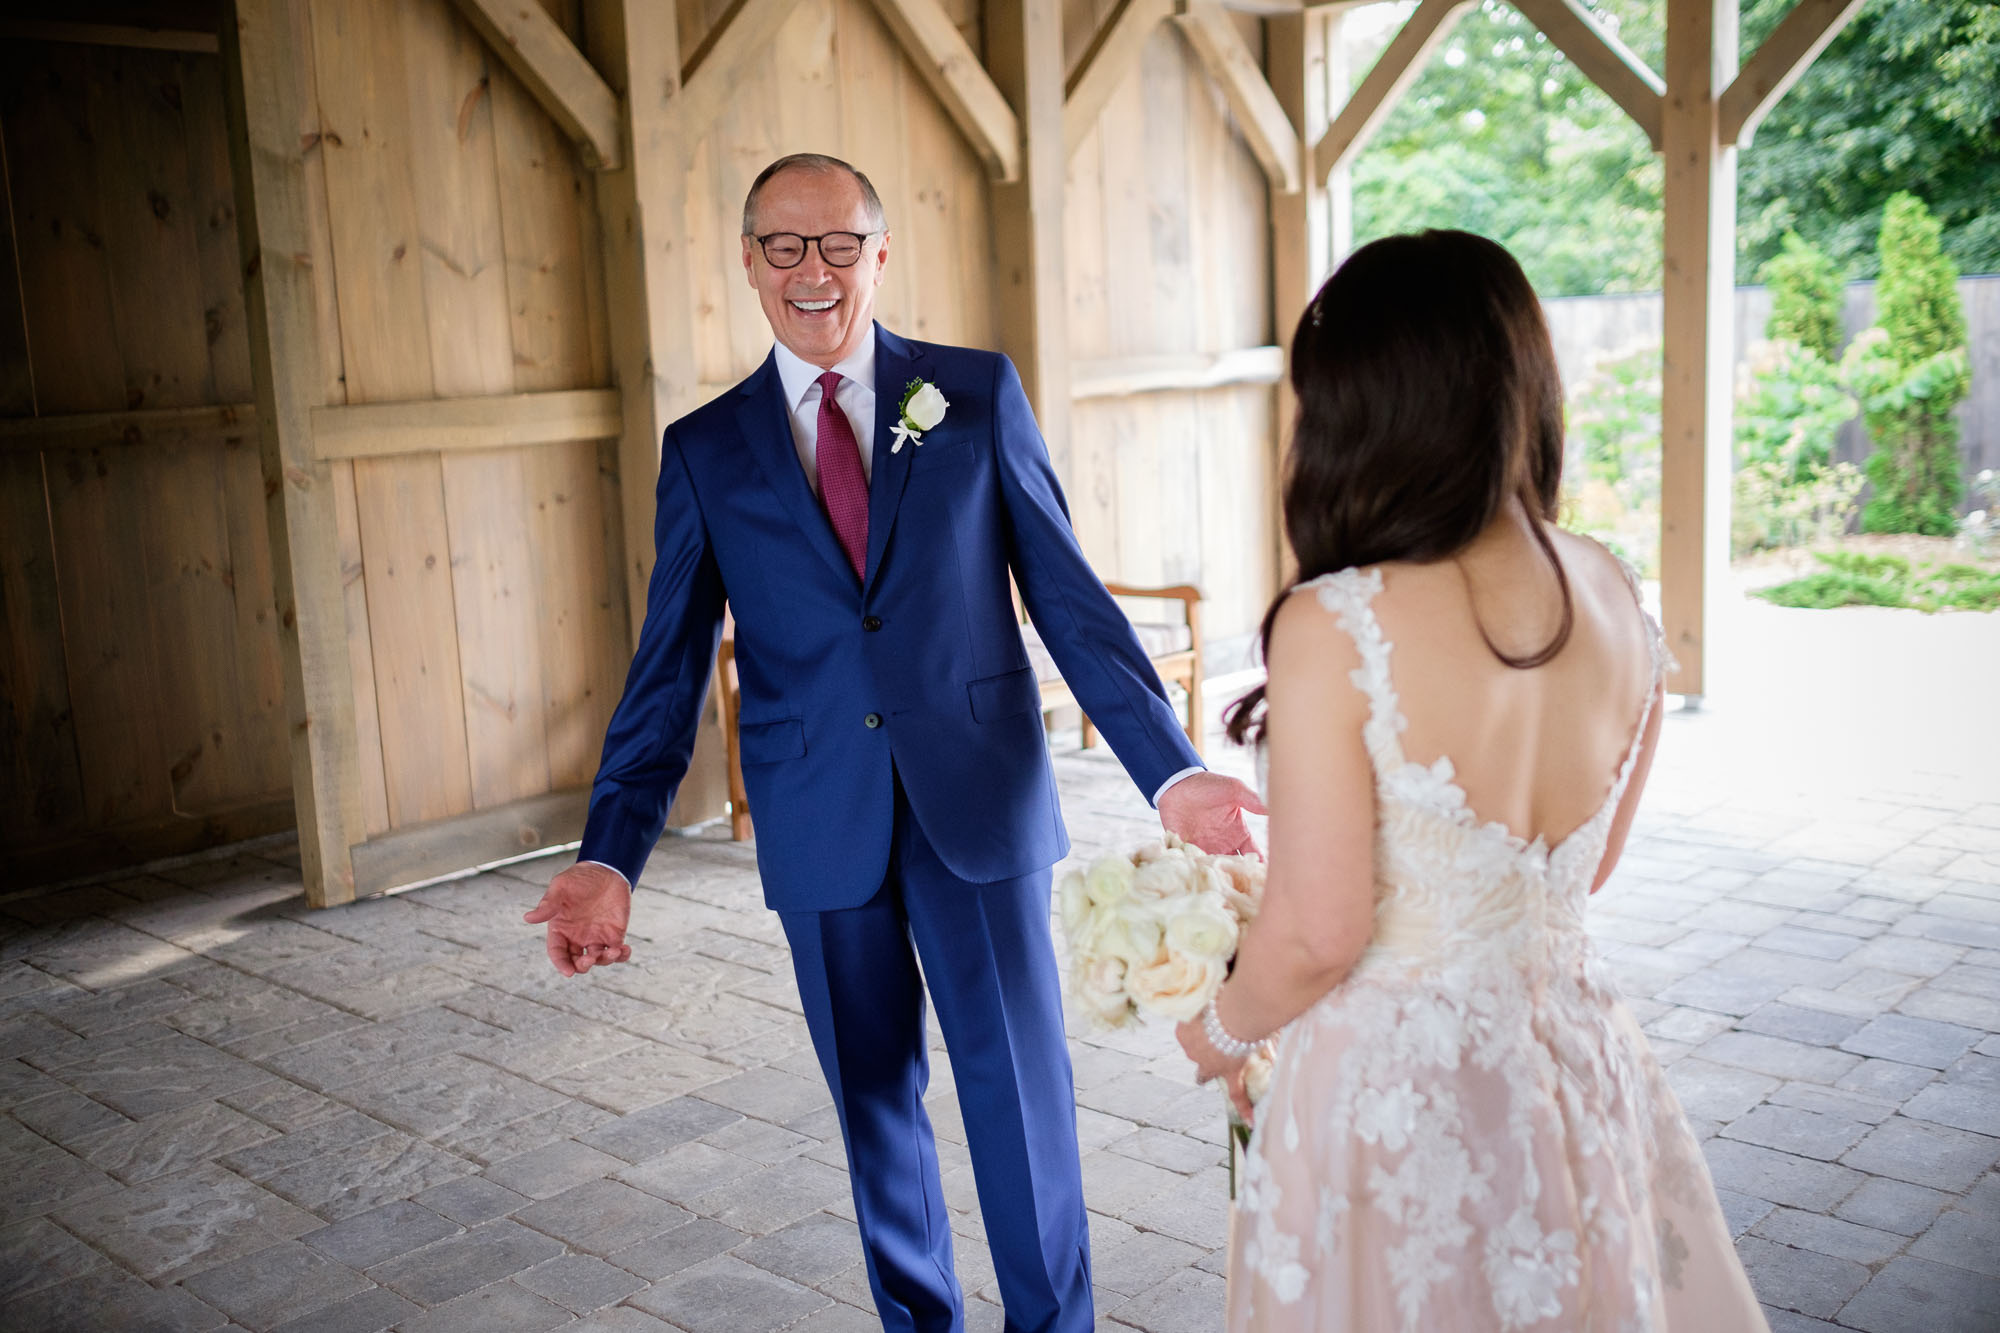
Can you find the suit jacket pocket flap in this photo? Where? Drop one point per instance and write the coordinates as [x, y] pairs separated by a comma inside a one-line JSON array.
[[1006, 695], [769, 742]]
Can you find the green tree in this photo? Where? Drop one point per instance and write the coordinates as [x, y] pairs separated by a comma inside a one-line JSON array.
[[1911, 371], [1906, 98], [1806, 298], [1502, 135]]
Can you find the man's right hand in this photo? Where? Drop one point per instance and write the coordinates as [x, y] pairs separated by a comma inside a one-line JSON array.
[[587, 908]]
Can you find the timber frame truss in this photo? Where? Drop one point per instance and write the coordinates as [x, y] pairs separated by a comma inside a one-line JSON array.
[[635, 107]]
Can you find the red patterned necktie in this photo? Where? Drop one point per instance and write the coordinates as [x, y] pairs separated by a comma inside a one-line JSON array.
[[843, 489]]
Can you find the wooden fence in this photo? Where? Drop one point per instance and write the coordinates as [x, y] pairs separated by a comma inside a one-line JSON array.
[[1589, 329]]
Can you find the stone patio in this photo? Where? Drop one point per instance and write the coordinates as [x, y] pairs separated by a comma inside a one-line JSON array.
[[224, 1110]]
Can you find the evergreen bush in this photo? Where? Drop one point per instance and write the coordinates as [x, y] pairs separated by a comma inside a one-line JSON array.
[[1806, 299], [1910, 371]]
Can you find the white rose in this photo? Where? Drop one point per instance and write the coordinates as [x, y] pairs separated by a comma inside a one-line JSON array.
[[1243, 889], [1203, 928], [1177, 988], [1099, 991], [1257, 1077], [926, 407], [1075, 900], [1171, 875], [1134, 937], [1109, 880]]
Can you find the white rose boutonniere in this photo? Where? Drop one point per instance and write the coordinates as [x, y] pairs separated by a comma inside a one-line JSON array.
[[922, 408]]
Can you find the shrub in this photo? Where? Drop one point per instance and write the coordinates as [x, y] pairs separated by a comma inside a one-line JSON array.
[[1806, 298], [1788, 489], [1910, 372], [1852, 578], [1612, 491]]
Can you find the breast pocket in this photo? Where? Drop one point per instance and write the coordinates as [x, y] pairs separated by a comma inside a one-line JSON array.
[[1007, 695], [944, 456], [771, 742]]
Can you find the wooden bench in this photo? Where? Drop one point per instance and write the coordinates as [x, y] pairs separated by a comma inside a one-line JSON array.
[[1174, 646]]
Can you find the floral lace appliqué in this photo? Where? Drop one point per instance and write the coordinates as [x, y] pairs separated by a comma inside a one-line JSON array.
[[1470, 1130]]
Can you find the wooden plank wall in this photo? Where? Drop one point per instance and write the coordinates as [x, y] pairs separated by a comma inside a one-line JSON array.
[[1168, 251], [144, 709], [486, 633], [455, 249]]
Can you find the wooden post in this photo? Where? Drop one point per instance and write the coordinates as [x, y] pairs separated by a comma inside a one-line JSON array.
[[649, 290], [1301, 222], [1024, 54], [1339, 181], [264, 44], [1698, 284]]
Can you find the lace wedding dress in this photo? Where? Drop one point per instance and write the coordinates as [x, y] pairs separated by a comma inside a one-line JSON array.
[[1470, 1132]]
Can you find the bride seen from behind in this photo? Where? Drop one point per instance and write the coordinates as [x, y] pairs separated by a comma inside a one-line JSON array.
[[1465, 1129]]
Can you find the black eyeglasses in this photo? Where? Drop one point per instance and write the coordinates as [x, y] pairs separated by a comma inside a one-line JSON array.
[[840, 249]]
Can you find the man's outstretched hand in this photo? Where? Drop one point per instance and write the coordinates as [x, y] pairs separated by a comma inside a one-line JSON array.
[[1206, 809], [587, 907]]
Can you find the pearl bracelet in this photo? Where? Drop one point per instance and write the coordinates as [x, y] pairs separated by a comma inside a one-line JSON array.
[[1218, 1036]]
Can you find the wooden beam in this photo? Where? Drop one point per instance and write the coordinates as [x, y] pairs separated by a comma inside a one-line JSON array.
[[1340, 181], [1601, 58], [110, 34], [1787, 53], [708, 79], [542, 57], [1301, 231], [436, 425], [1024, 53], [1392, 75], [1119, 376], [1265, 9], [421, 853], [649, 296], [1698, 268], [267, 79], [1265, 126], [939, 51], [1112, 55], [100, 430]]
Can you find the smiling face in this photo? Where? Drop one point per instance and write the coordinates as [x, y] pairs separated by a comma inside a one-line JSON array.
[[819, 312]]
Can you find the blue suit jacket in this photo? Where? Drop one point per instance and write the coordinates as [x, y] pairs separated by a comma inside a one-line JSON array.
[[945, 675]]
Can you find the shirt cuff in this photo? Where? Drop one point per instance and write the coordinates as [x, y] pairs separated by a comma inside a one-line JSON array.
[[1184, 773], [628, 883]]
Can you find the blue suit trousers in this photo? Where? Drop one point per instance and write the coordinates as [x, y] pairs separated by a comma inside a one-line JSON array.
[[985, 951]]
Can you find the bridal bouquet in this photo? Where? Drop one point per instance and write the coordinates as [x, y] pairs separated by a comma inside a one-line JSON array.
[[1152, 934]]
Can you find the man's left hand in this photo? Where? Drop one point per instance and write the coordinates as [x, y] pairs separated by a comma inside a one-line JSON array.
[[1206, 809]]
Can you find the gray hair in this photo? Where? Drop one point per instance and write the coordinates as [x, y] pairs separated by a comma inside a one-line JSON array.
[[817, 162]]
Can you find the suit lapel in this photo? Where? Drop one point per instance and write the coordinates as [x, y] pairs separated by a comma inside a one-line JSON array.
[[766, 425], [896, 364]]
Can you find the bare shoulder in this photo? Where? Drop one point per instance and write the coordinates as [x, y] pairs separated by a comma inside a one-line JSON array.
[[1590, 562], [1604, 592]]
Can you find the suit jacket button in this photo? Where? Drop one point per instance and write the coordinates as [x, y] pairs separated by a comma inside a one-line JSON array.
[[872, 721], [871, 623]]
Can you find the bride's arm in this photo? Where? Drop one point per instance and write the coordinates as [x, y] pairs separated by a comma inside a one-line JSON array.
[[1319, 897]]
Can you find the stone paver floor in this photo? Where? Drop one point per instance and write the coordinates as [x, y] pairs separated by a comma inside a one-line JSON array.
[[225, 1110]]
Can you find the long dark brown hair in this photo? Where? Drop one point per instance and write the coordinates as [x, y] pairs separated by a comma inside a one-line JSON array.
[[1428, 397]]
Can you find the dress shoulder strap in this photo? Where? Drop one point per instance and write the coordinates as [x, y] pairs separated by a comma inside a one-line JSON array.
[[1350, 595], [1663, 662], [1656, 638]]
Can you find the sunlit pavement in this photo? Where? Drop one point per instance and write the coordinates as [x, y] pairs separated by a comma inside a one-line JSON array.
[[223, 1110]]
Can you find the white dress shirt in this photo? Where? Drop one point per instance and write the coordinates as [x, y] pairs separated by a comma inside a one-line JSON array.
[[855, 397]]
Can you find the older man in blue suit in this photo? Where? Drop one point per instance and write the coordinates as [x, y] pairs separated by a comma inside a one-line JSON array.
[[891, 738]]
